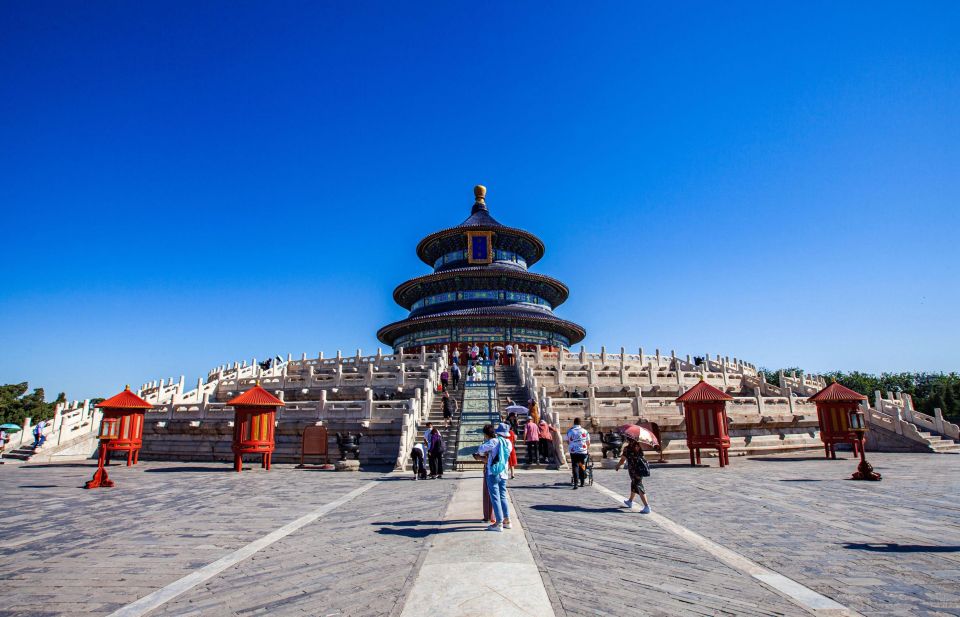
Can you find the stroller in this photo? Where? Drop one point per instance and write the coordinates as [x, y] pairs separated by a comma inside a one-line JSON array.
[[587, 473]]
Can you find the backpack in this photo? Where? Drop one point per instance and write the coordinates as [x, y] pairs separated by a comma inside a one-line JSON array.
[[643, 467], [499, 464]]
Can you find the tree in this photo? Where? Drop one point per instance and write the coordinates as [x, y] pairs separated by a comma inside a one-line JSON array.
[[16, 405]]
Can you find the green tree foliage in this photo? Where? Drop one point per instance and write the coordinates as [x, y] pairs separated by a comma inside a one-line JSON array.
[[16, 404], [928, 390]]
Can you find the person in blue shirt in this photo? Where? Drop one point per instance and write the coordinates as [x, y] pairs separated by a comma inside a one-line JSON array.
[[495, 452]]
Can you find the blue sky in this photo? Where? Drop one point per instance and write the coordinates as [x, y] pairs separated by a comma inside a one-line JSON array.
[[186, 184]]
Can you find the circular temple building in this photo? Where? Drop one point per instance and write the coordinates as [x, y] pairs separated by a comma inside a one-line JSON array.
[[481, 291]]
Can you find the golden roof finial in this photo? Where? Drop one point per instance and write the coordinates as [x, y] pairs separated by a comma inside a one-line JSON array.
[[480, 193], [258, 382], [701, 377], [127, 387]]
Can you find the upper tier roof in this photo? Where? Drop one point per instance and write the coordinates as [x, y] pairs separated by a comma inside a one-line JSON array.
[[451, 239]]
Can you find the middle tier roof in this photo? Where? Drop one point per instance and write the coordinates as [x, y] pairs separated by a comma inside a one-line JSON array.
[[494, 276]]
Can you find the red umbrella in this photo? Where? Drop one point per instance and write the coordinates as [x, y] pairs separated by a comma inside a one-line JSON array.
[[638, 433]]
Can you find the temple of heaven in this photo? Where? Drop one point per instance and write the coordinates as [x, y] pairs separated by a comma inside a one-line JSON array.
[[481, 291]]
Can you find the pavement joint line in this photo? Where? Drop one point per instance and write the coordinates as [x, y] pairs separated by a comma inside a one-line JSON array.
[[163, 595], [798, 593]]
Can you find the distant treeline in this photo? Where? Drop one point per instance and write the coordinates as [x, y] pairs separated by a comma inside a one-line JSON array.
[[929, 390], [16, 404]]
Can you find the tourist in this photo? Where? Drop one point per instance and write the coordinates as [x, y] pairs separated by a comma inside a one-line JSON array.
[[545, 441], [513, 421], [534, 412], [456, 356], [474, 352], [531, 436], [471, 373], [455, 375], [486, 351], [509, 354], [447, 409], [38, 436], [417, 458], [444, 380], [638, 467], [578, 442], [496, 357], [435, 454], [426, 436], [512, 464], [495, 452]]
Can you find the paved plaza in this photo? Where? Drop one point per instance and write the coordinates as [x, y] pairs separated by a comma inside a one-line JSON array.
[[766, 536]]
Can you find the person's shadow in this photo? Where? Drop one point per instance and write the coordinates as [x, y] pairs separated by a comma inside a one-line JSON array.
[[569, 508]]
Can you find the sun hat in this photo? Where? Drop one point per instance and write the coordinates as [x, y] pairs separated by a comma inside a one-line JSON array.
[[503, 429]]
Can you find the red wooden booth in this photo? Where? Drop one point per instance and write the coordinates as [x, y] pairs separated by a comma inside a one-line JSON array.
[[705, 413], [835, 403], [121, 430], [253, 423]]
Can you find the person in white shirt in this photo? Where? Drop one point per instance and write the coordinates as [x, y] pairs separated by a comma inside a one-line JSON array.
[[495, 452], [509, 354], [417, 456], [578, 442]]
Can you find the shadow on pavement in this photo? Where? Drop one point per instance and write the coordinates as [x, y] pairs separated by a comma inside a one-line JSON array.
[[568, 508], [194, 469], [423, 533], [790, 459], [427, 523], [891, 547], [45, 465]]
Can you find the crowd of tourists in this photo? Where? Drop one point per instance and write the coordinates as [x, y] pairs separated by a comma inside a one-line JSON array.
[[499, 355]]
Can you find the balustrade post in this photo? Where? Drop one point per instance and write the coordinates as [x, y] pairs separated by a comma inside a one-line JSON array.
[[591, 374], [603, 355], [938, 420], [369, 403]]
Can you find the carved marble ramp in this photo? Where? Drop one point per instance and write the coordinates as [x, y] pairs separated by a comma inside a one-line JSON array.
[[471, 572]]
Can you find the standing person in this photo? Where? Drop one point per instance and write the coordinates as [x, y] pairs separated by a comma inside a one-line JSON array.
[[578, 440], [416, 457], [471, 373], [435, 454], [444, 380], [545, 441], [486, 351], [637, 467], [509, 354], [495, 452], [426, 436], [531, 436], [496, 357], [447, 409], [513, 422], [455, 375], [534, 411], [456, 356], [512, 463], [474, 352]]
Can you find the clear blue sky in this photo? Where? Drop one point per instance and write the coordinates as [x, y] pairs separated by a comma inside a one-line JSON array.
[[185, 184]]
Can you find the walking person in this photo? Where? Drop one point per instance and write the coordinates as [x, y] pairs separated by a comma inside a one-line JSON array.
[[435, 454], [486, 351], [444, 380], [447, 409], [578, 442], [456, 356], [534, 410], [509, 354], [513, 421], [531, 436], [417, 458], [495, 452], [455, 375], [638, 468], [426, 436], [546, 441]]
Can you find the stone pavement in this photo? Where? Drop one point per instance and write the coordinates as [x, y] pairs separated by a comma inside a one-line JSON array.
[[380, 544]]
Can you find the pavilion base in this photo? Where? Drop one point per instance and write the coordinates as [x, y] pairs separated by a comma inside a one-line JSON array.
[[865, 472], [100, 479]]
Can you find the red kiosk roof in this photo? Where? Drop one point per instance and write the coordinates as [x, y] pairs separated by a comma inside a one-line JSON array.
[[702, 393], [256, 397], [125, 400], [837, 392]]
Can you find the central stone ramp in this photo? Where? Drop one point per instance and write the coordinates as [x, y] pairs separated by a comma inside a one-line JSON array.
[[479, 408], [468, 571]]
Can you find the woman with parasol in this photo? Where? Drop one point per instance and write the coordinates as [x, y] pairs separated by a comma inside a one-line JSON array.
[[637, 465]]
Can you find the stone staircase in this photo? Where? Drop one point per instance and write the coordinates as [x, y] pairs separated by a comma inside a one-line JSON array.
[[21, 453], [449, 433], [940, 444]]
